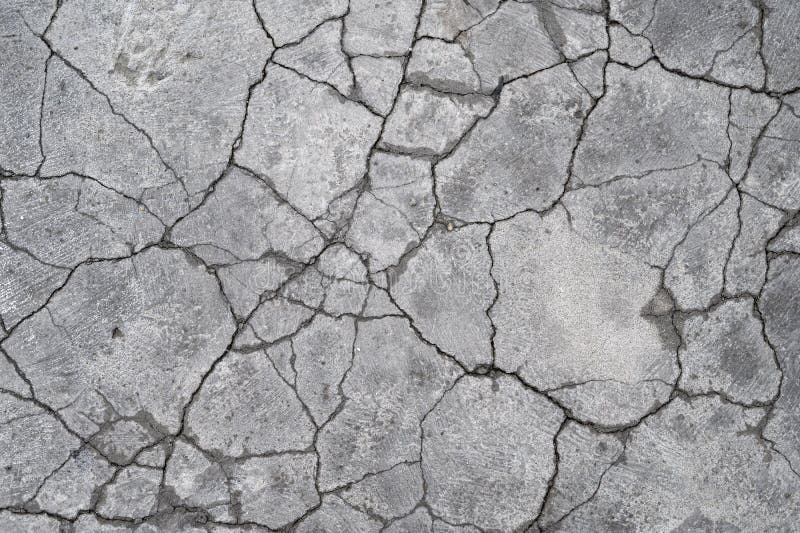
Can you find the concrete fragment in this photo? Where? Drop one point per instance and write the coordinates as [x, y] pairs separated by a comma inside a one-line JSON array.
[[380, 28], [275, 491], [489, 428], [724, 351], [512, 41], [106, 334], [244, 407], [66, 221], [426, 122], [389, 494], [446, 290], [492, 175], [153, 63], [395, 379], [319, 56], [632, 50], [289, 21], [306, 140], [377, 81], [246, 219], [442, 65], [572, 317], [682, 463]]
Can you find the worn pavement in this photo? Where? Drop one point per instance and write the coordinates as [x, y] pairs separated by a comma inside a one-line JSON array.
[[445, 266]]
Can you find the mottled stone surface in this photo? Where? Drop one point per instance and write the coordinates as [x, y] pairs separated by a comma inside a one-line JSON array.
[[403, 266]]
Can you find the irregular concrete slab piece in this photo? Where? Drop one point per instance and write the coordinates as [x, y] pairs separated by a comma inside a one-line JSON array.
[[289, 21], [576, 32], [25, 284], [340, 262], [695, 274], [275, 491], [750, 112], [426, 122], [487, 428], [71, 489], [491, 175], [406, 185], [633, 14], [132, 494], [75, 116], [244, 283], [277, 318], [778, 306], [747, 265], [445, 19], [319, 56], [377, 81], [23, 64], [633, 50], [690, 35], [442, 65], [650, 119], [446, 290], [584, 456], [742, 63], [244, 407], [306, 140], [107, 333], [122, 440], [29, 523], [781, 45], [34, 444], [193, 480], [682, 463], [335, 515], [511, 42], [394, 214], [395, 379], [246, 219], [724, 351], [153, 61], [622, 214], [774, 171], [590, 72], [380, 27], [323, 353], [390, 494], [571, 317], [66, 221]]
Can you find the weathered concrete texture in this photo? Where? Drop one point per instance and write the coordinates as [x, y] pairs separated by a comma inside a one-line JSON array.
[[581, 320], [403, 266], [305, 140], [454, 267], [494, 429], [152, 65], [517, 158], [728, 478]]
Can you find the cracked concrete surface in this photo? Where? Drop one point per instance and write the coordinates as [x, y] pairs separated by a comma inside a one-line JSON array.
[[445, 266]]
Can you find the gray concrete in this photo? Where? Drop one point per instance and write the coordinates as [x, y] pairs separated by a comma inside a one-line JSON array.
[[421, 266]]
